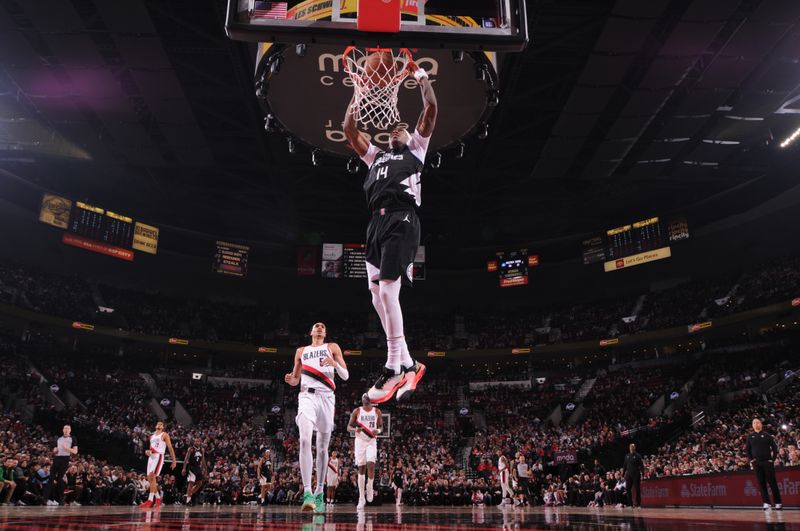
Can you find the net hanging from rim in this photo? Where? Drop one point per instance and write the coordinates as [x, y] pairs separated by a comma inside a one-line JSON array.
[[376, 86]]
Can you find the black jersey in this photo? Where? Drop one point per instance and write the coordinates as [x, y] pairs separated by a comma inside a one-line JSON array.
[[196, 458], [394, 178], [397, 479], [266, 469]]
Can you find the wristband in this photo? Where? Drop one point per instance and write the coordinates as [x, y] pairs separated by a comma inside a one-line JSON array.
[[420, 73], [342, 372]]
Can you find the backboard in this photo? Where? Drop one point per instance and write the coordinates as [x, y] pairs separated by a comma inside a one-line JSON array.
[[495, 25]]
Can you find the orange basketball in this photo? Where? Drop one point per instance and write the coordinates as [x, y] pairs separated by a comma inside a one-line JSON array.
[[380, 68]]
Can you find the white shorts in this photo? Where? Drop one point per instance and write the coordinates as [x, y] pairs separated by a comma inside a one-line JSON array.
[[262, 481], [365, 451], [332, 478], [154, 464], [318, 408]]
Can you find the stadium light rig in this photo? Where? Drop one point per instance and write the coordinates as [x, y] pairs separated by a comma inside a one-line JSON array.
[[791, 138]]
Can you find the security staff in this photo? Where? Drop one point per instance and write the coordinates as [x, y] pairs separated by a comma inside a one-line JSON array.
[[633, 468], [762, 452]]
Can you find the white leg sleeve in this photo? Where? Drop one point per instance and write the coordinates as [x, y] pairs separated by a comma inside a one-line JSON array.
[[323, 440], [306, 428], [390, 299]]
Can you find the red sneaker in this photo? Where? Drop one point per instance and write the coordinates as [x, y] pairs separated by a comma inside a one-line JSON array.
[[158, 503], [411, 378], [146, 505]]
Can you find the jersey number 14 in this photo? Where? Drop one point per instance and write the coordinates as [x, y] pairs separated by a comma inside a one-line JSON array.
[[383, 172]]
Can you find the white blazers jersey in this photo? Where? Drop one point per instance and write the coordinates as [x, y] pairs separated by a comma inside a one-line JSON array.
[[368, 422], [312, 373], [157, 443]]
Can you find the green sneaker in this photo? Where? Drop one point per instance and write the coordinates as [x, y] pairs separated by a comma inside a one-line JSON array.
[[320, 503], [309, 502]]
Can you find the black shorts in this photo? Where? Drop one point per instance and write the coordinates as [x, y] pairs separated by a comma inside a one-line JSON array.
[[392, 242], [197, 471]]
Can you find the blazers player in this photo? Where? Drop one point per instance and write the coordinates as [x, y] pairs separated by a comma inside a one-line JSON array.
[[503, 470], [332, 479], [159, 443], [394, 192], [366, 423], [314, 368]]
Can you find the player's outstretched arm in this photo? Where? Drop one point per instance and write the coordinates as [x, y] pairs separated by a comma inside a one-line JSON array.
[[358, 140], [427, 118], [293, 378]]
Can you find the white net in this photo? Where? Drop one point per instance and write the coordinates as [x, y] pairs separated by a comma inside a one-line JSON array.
[[376, 74]]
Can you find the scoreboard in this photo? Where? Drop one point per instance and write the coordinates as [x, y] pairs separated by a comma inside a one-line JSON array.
[[512, 267], [101, 225], [639, 242], [348, 260], [231, 259], [97, 229], [635, 238]]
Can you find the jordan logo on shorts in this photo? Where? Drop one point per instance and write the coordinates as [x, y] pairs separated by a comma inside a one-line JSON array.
[[406, 219]]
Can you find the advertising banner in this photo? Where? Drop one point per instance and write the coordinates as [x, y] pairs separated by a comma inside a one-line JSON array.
[[727, 489]]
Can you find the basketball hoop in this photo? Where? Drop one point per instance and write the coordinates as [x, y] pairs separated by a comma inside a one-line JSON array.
[[376, 74]]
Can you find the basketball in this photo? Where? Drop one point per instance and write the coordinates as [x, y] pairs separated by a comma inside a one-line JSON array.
[[380, 68]]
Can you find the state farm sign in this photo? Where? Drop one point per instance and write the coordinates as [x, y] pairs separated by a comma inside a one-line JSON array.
[[731, 489]]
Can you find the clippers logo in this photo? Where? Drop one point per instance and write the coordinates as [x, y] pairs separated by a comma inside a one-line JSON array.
[[749, 489]]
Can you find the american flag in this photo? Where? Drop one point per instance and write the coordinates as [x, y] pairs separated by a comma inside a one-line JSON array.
[[270, 9]]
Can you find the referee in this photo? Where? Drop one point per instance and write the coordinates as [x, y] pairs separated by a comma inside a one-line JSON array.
[[65, 447], [762, 452]]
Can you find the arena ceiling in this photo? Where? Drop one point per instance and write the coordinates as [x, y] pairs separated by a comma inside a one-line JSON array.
[[618, 109]]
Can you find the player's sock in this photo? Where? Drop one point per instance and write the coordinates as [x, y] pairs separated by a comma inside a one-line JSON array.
[[152, 496], [306, 460], [370, 481], [390, 299], [361, 478], [323, 440], [405, 359], [158, 495]]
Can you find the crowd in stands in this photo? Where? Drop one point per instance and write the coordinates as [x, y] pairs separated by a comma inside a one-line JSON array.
[[445, 460], [156, 313]]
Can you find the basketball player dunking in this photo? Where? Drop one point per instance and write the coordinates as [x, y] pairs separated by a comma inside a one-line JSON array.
[[394, 193], [366, 423], [159, 442], [332, 479], [314, 368], [264, 473]]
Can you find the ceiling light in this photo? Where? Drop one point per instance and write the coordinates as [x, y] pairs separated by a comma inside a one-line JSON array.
[[790, 140]]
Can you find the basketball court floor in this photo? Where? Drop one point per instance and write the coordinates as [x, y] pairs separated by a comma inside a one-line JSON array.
[[388, 518]]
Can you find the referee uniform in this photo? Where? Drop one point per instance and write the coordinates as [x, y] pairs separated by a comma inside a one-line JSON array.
[[762, 452], [61, 463]]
